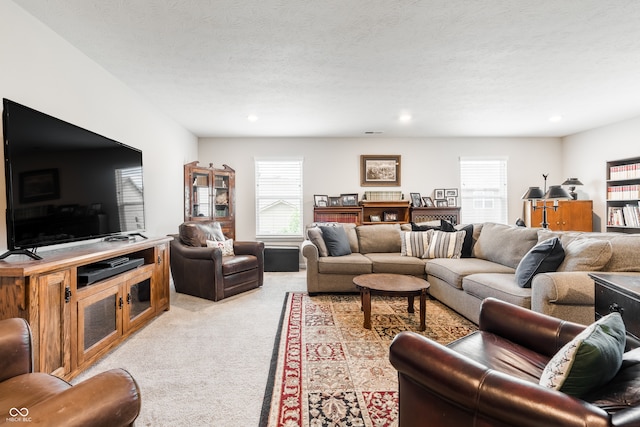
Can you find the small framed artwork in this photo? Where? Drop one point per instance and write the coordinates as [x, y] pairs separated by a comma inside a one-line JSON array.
[[374, 218], [442, 203], [335, 201], [438, 193], [427, 202], [379, 170], [321, 201], [416, 201], [452, 201], [349, 199], [451, 192], [390, 216]]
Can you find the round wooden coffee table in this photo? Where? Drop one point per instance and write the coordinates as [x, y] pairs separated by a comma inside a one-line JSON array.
[[392, 285]]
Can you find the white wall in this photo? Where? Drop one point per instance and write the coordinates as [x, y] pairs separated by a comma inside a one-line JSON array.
[[41, 70], [332, 165], [585, 156]]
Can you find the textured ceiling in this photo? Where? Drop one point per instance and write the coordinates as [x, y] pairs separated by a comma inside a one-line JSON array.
[[344, 67]]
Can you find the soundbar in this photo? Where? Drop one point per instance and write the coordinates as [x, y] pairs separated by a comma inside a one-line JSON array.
[[92, 273]]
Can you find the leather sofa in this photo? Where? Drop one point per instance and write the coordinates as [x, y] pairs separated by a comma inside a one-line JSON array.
[[111, 398], [490, 377], [204, 271], [489, 271]]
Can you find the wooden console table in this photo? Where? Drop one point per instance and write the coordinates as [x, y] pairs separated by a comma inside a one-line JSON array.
[[73, 325]]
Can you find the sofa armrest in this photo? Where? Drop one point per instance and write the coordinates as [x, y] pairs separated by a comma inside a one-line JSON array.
[[111, 398], [311, 254], [441, 385], [309, 251], [568, 295], [15, 348], [539, 332]]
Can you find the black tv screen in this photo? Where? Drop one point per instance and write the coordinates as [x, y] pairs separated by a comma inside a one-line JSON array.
[[65, 183]]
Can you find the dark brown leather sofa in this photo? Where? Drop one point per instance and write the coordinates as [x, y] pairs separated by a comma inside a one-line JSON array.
[[204, 272], [490, 378], [109, 399]]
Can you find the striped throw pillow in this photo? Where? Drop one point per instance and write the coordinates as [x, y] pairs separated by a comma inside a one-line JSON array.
[[415, 243], [445, 244]]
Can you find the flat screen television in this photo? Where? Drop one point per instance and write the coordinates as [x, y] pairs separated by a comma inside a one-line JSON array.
[[65, 183]]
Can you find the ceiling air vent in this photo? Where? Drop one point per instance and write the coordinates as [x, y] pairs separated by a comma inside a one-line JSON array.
[[373, 132]]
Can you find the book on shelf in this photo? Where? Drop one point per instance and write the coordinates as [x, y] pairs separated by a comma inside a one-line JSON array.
[[623, 192], [624, 171], [624, 216]]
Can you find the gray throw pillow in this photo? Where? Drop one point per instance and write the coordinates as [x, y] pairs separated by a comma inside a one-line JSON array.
[[336, 240], [542, 258]]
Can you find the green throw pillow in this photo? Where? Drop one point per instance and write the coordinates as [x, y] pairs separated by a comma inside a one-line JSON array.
[[588, 361]]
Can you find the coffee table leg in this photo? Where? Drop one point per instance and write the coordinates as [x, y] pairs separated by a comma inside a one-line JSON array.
[[423, 309], [366, 304], [410, 306]]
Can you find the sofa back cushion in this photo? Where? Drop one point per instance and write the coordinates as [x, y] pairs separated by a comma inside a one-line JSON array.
[[196, 233], [379, 238], [504, 244]]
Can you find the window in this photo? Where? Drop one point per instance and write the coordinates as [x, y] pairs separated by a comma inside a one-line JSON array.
[[130, 199], [278, 197], [484, 189]]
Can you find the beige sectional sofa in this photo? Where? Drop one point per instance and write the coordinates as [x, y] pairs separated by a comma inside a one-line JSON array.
[[490, 271]]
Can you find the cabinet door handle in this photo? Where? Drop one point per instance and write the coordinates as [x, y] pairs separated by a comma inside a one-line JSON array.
[[67, 294], [159, 259], [129, 299], [616, 307], [120, 303]]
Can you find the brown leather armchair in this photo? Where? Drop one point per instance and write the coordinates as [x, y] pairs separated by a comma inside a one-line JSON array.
[[204, 272], [490, 377], [109, 399]]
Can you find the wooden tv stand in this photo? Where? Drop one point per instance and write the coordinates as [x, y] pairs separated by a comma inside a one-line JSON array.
[[74, 325]]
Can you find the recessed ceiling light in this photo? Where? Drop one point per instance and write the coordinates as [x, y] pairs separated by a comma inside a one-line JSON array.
[[252, 118], [555, 119], [405, 117]]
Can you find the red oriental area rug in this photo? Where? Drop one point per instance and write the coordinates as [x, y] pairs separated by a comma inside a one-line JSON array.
[[328, 370]]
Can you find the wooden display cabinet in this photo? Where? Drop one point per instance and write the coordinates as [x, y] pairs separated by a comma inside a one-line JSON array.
[[571, 215], [74, 325], [209, 194], [346, 214], [399, 208]]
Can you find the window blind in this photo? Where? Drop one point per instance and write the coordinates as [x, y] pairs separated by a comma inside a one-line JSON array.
[[130, 198], [483, 191], [278, 197]]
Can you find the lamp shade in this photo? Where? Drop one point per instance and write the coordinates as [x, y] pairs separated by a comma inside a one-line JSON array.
[[533, 193], [572, 181], [557, 192]]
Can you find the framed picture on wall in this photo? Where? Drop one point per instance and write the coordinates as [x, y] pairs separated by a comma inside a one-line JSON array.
[[379, 170]]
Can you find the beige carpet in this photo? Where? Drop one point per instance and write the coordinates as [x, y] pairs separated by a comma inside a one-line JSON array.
[[332, 372], [206, 363]]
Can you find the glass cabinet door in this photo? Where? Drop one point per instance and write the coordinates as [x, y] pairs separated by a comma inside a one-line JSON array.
[[139, 304], [201, 195], [99, 321], [221, 189]]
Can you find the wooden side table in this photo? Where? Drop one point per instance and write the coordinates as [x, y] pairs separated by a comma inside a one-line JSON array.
[[621, 293], [392, 285]]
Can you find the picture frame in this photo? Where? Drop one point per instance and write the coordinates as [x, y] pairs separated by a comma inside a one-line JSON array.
[[442, 204], [39, 185], [380, 170], [416, 200], [350, 199], [390, 216], [438, 194], [451, 192], [452, 201], [427, 202], [375, 218], [320, 201], [335, 201]]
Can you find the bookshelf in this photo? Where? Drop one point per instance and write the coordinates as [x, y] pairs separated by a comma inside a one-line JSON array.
[[623, 195], [344, 214]]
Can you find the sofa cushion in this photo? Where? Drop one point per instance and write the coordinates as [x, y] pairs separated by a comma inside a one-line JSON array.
[[498, 285], [196, 233], [504, 244], [396, 264], [588, 361], [315, 235], [415, 243], [444, 244], [453, 271], [336, 240], [542, 258], [349, 228], [585, 254], [379, 238], [349, 264]]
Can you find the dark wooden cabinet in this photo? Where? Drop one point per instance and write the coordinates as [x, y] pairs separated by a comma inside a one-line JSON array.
[[426, 214], [209, 194], [347, 214], [571, 215], [73, 324], [621, 293]]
